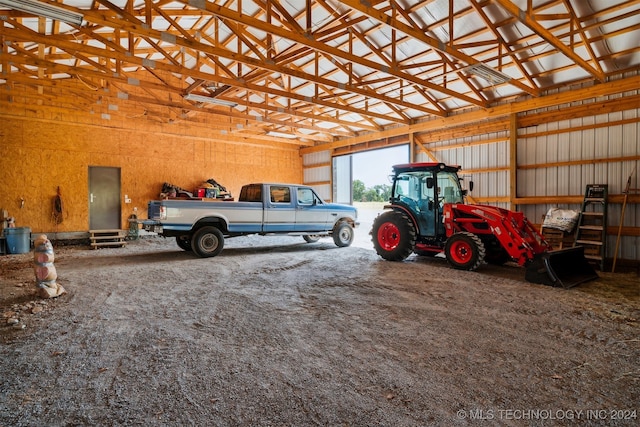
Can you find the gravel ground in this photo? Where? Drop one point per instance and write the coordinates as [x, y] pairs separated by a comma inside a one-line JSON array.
[[275, 331]]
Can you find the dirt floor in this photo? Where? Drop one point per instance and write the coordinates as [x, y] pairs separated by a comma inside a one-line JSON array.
[[275, 331]]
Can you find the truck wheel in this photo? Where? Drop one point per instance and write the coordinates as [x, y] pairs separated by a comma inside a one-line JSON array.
[[393, 235], [311, 238], [464, 251], [342, 234], [207, 242], [184, 242]]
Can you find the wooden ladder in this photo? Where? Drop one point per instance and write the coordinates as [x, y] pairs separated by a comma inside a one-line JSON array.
[[107, 238], [592, 224]]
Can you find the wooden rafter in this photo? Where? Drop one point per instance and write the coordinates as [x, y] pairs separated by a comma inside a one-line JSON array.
[[322, 70], [478, 8], [419, 34], [529, 20]]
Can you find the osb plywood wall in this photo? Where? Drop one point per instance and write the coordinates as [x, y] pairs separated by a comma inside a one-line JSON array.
[[40, 153]]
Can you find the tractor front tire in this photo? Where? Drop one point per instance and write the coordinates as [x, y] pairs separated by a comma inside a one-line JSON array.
[[464, 251], [393, 235]]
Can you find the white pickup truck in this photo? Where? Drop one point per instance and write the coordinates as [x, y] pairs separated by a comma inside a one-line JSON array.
[[263, 209]]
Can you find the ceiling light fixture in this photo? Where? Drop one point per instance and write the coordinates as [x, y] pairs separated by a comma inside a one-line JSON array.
[[44, 9], [208, 100], [491, 75]]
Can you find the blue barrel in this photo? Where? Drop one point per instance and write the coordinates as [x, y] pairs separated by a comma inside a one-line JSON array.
[[18, 240]]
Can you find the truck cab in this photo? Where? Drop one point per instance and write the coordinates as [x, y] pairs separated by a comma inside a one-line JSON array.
[[293, 208]]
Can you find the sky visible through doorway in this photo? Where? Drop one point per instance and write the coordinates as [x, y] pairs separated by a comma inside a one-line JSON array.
[[374, 167]]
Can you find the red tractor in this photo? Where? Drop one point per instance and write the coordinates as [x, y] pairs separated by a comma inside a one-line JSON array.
[[427, 215]]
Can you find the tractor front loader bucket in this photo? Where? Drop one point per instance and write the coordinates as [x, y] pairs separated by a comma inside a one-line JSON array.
[[563, 268]]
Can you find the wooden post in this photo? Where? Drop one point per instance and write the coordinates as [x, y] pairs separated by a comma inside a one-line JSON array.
[[412, 150], [513, 159]]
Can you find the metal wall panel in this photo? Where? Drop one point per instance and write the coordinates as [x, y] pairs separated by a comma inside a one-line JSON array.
[[324, 191], [316, 158], [316, 171], [316, 174], [343, 179], [591, 147], [492, 155]]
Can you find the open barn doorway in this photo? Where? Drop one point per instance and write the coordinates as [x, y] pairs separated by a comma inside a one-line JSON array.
[[362, 179], [364, 176]]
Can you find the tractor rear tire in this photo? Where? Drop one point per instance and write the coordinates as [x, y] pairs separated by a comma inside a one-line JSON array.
[[393, 235], [464, 251]]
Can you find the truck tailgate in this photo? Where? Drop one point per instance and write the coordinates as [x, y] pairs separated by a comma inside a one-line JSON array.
[[153, 209]]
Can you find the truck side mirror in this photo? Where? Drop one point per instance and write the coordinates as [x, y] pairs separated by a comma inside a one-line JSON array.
[[470, 185]]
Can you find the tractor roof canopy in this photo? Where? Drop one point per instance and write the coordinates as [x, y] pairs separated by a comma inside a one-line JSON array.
[[412, 167]]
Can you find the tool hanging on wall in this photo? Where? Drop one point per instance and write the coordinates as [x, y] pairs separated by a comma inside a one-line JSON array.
[[58, 208], [624, 205]]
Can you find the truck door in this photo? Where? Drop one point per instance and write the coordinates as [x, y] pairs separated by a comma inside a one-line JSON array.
[[279, 212], [312, 213]]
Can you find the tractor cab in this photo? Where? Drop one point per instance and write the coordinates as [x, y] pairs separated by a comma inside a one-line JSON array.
[[423, 189]]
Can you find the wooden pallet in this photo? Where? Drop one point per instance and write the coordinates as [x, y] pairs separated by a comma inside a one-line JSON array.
[[558, 239], [107, 238]]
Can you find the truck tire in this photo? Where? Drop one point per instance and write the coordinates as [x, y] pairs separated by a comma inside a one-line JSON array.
[[184, 242], [464, 251], [393, 235], [309, 238], [207, 242], [342, 234]]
